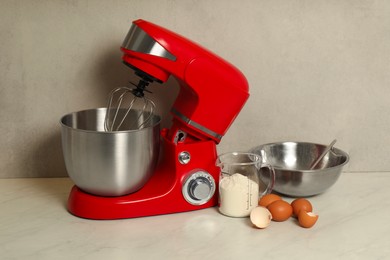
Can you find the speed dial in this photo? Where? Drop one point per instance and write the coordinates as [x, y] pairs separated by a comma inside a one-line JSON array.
[[198, 188]]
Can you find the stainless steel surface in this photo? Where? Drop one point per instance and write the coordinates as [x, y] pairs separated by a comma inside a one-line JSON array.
[[195, 124], [292, 161], [139, 41], [108, 163], [327, 149], [115, 121], [198, 188], [184, 157]]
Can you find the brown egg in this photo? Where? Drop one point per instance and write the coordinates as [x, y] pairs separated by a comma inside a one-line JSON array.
[[280, 210], [260, 217], [268, 199], [301, 204], [307, 219]]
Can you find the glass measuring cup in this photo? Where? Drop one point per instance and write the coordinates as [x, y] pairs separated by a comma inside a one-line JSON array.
[[240, 183]]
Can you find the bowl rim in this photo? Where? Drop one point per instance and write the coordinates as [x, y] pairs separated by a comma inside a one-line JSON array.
[[66, 126], [338, 152]]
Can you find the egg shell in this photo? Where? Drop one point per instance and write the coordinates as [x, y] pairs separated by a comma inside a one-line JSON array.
[[301, 204], [260, 217], [281, 210], [268, 199], [307, 219]]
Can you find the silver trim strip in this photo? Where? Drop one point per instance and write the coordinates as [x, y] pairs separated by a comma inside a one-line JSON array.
[[195, 124], [138, 40]]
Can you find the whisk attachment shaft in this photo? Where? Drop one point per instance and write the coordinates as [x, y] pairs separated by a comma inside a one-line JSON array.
[[119, 109], [139, 89]]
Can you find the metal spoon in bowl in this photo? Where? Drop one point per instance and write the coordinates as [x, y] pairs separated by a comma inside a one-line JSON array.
[[327, 149]]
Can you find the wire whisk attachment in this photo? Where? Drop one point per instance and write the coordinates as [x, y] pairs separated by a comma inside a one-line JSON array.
[[124, 100]]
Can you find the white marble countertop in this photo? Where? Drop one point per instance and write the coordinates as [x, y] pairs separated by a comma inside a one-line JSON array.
[[354, 223]]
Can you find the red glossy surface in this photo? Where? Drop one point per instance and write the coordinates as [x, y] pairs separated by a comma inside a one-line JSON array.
[[212, 91]]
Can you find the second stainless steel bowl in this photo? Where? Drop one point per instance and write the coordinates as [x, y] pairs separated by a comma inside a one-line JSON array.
[[108, 163], [292, 162]]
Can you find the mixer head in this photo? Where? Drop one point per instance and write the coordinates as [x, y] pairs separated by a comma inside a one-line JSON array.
[[212, 91]]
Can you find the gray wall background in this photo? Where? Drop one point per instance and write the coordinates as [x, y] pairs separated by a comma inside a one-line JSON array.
[[318, 70]]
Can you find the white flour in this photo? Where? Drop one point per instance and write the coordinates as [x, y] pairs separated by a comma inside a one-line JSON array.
[[238, 195]]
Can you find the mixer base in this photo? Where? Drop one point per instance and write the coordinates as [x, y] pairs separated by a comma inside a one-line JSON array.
[[162, 194], [88, 206]]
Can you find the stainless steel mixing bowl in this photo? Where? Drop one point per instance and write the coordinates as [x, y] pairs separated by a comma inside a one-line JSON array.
[[292, 161], [108, 163]]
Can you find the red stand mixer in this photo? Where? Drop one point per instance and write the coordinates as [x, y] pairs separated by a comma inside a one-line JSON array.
[[212, 93]]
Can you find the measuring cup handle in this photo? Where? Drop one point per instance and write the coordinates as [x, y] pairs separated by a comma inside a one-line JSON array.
[[271, 182]]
